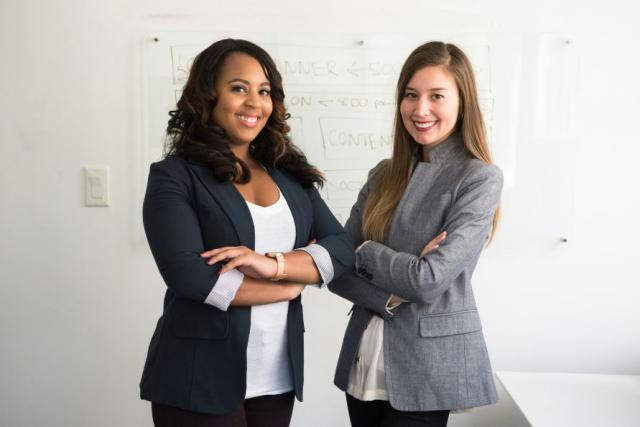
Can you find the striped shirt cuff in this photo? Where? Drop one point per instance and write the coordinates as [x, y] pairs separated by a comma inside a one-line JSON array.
[[224, 291], [322, 259]]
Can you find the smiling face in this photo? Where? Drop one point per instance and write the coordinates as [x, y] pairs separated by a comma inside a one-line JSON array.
[[243, 98], [430, 106]]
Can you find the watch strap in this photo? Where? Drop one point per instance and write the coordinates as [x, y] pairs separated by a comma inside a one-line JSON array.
[[279, 257]]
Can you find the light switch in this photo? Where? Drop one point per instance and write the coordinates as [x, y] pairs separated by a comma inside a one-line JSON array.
[[96, 186]]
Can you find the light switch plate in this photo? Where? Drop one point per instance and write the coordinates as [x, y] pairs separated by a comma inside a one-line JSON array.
[[96, 186]]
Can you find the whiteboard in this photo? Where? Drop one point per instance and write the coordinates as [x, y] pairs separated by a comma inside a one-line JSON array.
[[340, 92]]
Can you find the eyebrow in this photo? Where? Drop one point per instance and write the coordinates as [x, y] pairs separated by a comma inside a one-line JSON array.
[[247, 82], [432, 89]]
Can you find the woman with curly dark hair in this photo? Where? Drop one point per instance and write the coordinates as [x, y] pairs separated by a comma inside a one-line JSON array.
[[237, 229]]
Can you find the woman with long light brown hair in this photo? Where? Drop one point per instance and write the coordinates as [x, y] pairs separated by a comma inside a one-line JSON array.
[[414, 349]]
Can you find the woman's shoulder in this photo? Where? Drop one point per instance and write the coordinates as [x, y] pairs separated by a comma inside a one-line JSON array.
[[379, 168], [173, 166], [474, 169], [479, 175], [170, 161], [175, 162]]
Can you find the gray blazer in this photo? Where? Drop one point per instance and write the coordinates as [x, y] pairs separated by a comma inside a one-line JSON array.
[[434, 350]]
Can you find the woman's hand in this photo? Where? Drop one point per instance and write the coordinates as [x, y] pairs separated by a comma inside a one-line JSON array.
[[434, 243], [244, 259], [396, 301]]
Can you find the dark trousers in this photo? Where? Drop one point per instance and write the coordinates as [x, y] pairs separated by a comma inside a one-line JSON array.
[[261, 411], [379, 413]]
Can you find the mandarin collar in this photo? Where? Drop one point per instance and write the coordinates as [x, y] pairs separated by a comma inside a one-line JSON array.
[[443, 151], [439, 154]]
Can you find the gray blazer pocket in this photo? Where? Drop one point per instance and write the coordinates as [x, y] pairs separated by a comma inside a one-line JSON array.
[[446, 324], [199, 321]]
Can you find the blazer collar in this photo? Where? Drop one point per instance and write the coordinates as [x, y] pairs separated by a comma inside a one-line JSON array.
[[230, 201], [235, 207], [444, 151]]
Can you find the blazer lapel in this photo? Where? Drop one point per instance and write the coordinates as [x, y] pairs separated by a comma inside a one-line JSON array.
[[231, 203]]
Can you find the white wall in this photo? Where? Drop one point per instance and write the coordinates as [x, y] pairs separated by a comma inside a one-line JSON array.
[[80, 292]]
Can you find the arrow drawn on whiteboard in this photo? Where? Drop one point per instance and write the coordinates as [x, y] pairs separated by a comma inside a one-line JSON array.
[[353, 69], [325, 102]]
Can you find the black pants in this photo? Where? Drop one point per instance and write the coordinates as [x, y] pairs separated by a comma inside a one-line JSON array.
[[378, 413], [261, 411]]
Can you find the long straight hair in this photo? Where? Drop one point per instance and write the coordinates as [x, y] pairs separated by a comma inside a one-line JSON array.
[[394, 176]]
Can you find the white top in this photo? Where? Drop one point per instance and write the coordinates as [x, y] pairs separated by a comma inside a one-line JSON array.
[[268, 367], [367, 378]]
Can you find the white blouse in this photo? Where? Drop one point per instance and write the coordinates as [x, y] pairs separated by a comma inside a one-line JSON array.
[[367, 378], [268, 367]]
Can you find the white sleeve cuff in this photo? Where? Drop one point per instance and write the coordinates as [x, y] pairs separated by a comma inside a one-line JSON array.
[[322, 259], [224, 290]]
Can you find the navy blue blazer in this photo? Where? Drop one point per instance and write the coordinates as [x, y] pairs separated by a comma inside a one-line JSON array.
[[197, 355]]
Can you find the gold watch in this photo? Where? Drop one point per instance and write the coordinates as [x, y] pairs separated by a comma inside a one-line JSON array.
[[279, 257]]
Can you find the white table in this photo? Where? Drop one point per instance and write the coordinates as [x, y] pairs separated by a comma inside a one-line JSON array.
[[580, 400]]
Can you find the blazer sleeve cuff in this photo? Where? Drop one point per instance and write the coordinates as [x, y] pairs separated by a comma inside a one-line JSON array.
[[225, 289], [322, 260], [372, 261]]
